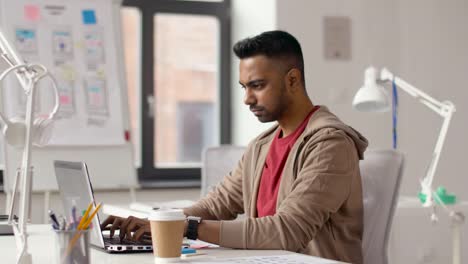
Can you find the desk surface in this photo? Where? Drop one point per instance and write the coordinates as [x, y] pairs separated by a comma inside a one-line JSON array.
[[42, 248]]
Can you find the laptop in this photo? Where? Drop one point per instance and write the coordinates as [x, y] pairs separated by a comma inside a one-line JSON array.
[[76, 190]]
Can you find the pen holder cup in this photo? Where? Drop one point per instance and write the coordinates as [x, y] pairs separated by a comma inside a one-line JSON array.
[[72, 246]]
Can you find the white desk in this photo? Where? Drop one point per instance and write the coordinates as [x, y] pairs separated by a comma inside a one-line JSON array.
[[416, 240], [42, 248]]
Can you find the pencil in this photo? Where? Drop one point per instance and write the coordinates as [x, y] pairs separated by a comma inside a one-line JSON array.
[[88, 221], [85, 216]]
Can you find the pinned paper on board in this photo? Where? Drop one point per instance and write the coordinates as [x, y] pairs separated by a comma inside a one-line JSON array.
[[62, 43], [96, 97], [32, 13], [66, 97], [89, 17], [55, 10], [94, 49], [65, 77], [26, 40]]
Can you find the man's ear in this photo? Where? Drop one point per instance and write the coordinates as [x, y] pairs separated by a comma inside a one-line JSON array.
[[293, 79]]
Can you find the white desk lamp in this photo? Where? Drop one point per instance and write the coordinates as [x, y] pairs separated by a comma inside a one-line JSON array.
[[28, 75], [372, 97]]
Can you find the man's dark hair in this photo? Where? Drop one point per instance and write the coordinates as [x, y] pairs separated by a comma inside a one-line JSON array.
[[274, 44]]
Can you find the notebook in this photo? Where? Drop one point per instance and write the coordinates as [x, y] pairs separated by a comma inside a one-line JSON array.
[[76, 190]]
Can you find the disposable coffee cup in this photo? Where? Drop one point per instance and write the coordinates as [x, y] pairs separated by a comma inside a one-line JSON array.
[[167, 231]]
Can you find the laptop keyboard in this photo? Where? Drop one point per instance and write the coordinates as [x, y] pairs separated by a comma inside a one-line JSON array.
[[115, 240]]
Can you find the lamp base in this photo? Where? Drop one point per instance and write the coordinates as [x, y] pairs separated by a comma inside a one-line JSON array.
[[26, 258], [444, 197]]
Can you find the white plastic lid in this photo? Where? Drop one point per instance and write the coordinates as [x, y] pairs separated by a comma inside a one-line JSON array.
[[167, 215]]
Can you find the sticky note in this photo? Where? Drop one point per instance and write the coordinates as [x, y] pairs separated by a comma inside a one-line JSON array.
[[25, 34], [100, 74], [65, 99], [89, 17], [68, 74], [31, 13]]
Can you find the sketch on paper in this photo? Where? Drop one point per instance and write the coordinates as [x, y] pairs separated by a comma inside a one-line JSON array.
[[66, 97], [26, 40], [96, 100], [94, 49], [62, 44]]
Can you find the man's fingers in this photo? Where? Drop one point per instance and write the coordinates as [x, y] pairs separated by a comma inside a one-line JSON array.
[[137, 235], [106, 222], [133, 226], [115, 225], [123, 227]]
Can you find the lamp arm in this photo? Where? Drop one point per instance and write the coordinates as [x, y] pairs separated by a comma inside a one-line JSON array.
[[10, 55], [426, 183], [424, 98], [444, 109], [27, 77]]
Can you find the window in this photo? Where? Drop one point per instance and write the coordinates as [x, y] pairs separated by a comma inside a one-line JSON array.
[[185, 60], [186, 71]]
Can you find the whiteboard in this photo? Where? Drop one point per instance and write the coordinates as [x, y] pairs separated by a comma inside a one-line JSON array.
[[84, 131], [76, 41]]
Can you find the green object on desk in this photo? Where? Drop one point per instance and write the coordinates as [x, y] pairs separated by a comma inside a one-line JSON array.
[[441, 192]]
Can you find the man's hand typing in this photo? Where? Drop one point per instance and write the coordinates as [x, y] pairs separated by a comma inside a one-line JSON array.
[[139, 227]]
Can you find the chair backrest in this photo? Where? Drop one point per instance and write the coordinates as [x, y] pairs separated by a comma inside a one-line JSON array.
[[217, 163], [381, 172]]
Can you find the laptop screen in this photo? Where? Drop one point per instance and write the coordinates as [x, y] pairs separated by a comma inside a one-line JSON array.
[[75, 190]]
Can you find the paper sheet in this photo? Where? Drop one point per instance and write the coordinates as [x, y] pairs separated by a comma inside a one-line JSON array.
[[279, 259]]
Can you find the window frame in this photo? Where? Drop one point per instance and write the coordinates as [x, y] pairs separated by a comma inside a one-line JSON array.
[[148, 175]]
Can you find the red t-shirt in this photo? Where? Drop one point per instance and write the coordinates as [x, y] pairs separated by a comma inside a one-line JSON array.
[[273, 168]]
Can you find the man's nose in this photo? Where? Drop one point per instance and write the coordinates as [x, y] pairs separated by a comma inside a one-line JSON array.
[[249, 98]]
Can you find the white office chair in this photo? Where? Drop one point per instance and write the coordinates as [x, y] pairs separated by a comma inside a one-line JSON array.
[[217, 163], [381, 172]]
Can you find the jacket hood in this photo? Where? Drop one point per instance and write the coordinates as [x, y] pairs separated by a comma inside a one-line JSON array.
[[323, 118]]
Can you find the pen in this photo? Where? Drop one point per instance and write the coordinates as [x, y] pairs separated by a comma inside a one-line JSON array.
[[55, 223], [63, 222], [75, 224]]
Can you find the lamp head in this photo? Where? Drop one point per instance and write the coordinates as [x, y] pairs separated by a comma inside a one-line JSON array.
[[371, 97]]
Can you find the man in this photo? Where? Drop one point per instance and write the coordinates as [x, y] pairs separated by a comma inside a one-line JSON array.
[[298, 182]]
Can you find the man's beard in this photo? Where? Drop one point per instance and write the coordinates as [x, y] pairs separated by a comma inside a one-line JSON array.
[[266, 116]]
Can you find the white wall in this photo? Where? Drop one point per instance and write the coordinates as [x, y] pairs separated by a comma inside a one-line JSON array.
[[424, 42], [249, 18]]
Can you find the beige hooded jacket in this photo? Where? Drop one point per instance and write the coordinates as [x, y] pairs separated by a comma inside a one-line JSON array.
[[319, 209]]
